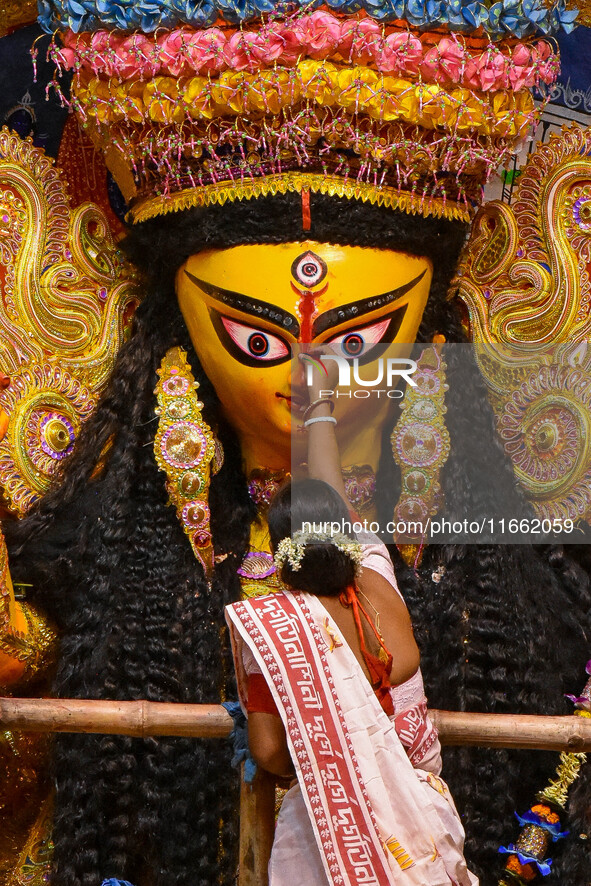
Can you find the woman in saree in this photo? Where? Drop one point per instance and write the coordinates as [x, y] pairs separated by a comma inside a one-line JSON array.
[[325, 695]]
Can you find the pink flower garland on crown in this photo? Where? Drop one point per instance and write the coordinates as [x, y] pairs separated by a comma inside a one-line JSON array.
[[318, 35]]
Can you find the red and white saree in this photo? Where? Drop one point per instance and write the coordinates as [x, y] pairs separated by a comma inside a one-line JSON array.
[[374, 819]]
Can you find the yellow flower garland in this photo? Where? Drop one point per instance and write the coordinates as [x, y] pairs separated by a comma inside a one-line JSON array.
[[165, 100]]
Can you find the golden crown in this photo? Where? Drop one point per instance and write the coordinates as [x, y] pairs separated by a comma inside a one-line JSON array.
[[408, 103]]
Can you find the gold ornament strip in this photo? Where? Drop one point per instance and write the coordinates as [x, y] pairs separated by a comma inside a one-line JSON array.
[[420, 446], [567, 772], [525, 280], [184, 448], [296, 182]]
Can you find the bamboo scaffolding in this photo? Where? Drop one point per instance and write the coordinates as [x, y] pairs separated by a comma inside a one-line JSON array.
[[143, 718]]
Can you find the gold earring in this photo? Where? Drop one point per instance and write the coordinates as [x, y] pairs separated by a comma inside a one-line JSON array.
[[187, 451]]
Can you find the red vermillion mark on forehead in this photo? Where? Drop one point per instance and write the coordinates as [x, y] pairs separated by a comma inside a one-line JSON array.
[[309, 270], [306, 310]]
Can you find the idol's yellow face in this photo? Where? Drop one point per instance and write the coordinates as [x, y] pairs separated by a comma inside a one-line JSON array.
[[246, 306]]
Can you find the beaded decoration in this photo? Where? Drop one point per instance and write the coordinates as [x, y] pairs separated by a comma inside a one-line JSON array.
[[420, 445], [353, 100], [541, 824], [185, 449]]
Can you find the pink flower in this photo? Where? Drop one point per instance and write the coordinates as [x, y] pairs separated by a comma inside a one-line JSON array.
[[522, 70], [172, 51], [205, 51], [521, 55], [526, 65], [245, 51], [291, 48], [102, 54], [66, 58], [99, 41], [274, 44], [487, 71], [320, 34], [400, 54], [360, 41], [135, 55], [522, 78], [444, 63]]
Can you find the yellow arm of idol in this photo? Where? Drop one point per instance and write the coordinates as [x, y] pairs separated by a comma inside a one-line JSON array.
[[26, 641]]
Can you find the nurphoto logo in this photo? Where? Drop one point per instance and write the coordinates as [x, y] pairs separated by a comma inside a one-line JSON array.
[[388, 371]]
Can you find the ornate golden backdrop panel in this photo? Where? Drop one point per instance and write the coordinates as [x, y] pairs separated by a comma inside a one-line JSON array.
[[66, 300], [16, 13], [525, 279]]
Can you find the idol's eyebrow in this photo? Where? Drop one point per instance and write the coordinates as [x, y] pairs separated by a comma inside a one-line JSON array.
[[247, 305], [357, 309]]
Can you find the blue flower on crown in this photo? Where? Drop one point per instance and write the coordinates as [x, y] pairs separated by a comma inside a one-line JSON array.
[[78, 14], [474, 15], [455, 15], [46, 17], [494, 18], [199, 13], [562, 19], [339, 5], [512, 19], [517, 17], [382, 10]]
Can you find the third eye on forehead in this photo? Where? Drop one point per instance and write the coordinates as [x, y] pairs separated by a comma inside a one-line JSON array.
[[308, 269]]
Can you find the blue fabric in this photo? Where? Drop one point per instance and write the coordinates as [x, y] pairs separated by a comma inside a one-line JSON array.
[[239, 737], [544, 867], [114, 882], [24, 106], [573, 88]]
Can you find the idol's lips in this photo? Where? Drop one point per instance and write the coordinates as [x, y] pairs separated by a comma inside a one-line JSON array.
[[294, 401]]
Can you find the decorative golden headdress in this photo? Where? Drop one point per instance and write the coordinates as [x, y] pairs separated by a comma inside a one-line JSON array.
[[525, 278], [408, 103], [67, 298]]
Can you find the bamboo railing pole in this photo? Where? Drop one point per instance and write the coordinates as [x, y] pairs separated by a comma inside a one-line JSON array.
[[142, 718], [525, 731], [135, 718], [257, 828]]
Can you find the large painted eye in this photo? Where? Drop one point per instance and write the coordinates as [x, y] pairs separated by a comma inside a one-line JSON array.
[[254, 343], [360, 342]]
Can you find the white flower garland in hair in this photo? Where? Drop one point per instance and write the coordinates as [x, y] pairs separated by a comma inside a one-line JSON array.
[[292, 548]]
